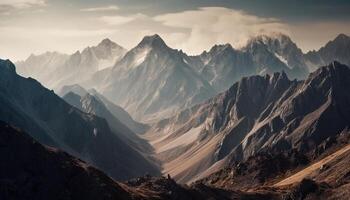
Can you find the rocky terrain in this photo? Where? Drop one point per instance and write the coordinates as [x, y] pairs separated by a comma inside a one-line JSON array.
[[117, 111], [40, 172], [322, 174], [257, 114], [30, 170], [93, 105]]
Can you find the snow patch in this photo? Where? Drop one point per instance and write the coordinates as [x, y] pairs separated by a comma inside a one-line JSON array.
[[106, 63], [263, 71], [206, 61], [95, 132], [185, 61], [282, 59], [140, 56]]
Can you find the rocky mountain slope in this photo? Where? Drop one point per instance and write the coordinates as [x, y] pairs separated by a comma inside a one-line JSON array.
[[173, 80], [219, 68], [258, 113], [30, 170], [323, 174], [26, 165], [25, 103], [55, 70], [275, 53], [117, 112], [223, 65], [152, 81], [265, 54], [93, 105]]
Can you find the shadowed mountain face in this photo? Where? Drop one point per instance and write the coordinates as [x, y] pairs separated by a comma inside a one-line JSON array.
[[93, 105], [52, 121], [115, 110], [256, 114], [29, 170]]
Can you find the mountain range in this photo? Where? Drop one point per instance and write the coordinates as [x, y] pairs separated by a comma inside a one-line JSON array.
[[55, 70], [256, 114], [153, 81], [275, 141], [265, 121]]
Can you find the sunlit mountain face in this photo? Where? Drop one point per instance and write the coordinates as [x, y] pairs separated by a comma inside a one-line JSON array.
[[174, 99]]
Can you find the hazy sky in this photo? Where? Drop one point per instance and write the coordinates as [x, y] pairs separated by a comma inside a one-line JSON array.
[[36, 26]]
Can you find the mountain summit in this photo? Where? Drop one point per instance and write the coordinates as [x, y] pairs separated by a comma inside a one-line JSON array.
[[152, 40], [337, 49], [152, 81]]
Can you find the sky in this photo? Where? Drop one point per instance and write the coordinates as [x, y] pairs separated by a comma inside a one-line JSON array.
[[37, 26]]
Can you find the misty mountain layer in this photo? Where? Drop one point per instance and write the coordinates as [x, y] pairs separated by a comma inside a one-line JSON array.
[[153, 81]]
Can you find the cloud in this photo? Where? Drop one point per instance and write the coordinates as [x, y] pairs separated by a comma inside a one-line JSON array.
[[22, 3], [192, 31], [120, 20], [8, 7], [19, 42], [98, 9], [53, 32], [311, 36], [207, 26]]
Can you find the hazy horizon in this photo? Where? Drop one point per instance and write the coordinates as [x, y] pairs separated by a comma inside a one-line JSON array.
[[37, 26]]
